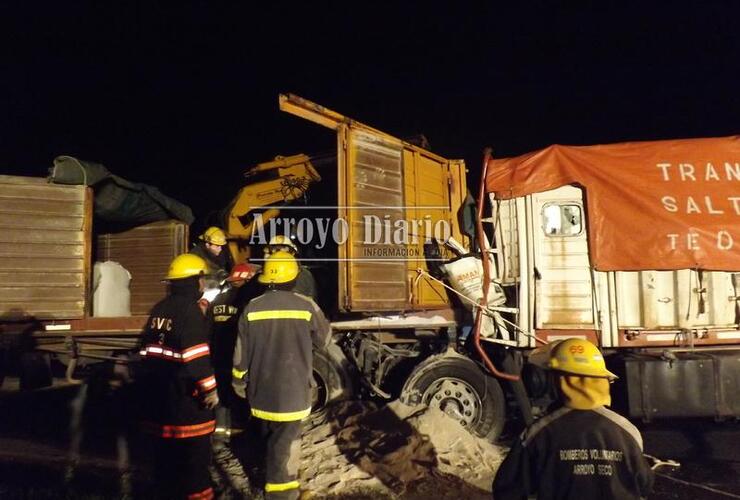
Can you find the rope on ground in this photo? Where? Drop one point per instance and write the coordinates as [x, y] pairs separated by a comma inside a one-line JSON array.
[[657, 462]]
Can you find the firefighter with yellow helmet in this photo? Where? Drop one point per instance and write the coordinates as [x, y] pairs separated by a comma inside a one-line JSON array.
[[179, 388], [212, 248], [582, 449], [273, 365], [304, 283]]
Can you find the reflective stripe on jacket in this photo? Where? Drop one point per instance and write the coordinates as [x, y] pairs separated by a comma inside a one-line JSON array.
[[176, 368], [277, 333]]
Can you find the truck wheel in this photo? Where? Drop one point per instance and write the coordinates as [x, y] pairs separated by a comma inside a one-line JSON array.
[[331, 374], [457, 387]]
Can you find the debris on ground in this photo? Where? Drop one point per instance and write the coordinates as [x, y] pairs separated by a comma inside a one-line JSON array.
[[356, 450]]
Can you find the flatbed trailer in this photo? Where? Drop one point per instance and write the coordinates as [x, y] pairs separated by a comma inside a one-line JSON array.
[[48, 248]]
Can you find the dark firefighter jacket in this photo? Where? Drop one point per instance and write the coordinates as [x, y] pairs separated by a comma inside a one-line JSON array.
[[218, 267], [223, 314], [274, 350], [225, 307], [305, 283], [576, 454], [176, 367]]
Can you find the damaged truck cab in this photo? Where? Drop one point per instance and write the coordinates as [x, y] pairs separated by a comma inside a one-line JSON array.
[[609, 243], [391, 204]]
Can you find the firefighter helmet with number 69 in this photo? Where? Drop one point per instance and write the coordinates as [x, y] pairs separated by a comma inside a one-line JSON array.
[[579, 357]]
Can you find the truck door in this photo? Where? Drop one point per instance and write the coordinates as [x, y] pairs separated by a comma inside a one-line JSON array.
[[563, 285], [373, 190]]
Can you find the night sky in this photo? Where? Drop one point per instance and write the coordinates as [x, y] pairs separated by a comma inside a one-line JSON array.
[[185, 98]]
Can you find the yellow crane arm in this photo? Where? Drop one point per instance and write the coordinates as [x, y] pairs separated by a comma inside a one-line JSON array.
[[282, 180]]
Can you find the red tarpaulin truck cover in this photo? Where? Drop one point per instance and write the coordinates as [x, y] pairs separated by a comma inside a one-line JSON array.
[[651, 205]]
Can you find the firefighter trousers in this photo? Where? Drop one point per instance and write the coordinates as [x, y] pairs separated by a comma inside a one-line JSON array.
[[222, 349], [283, 458], [181, 468]]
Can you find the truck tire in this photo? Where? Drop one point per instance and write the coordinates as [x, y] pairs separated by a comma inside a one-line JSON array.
[[332, 377], [459, 388]]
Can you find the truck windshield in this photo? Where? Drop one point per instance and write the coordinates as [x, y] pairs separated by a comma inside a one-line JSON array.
[[562, 219]]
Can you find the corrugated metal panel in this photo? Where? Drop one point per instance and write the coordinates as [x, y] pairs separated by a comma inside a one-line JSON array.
[[427, 193], [402, 187], [373, 180], [44, 248], [674, 299], [146, 252], [377, 278]]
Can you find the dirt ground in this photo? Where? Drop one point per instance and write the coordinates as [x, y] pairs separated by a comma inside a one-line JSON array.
[[355, 450], [70, 441], [395, 451]]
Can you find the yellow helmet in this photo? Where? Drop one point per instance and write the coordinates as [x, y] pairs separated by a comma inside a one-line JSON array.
[[280, 240], [579, 357], [214, 236], [186, 266], [280, 267]]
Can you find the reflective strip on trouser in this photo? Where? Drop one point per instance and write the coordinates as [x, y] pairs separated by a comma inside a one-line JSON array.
[[283, 456], [273, 487], [179, 431], [281, 417], [223, 421], [206, 494], [238, 374], [288, 314]]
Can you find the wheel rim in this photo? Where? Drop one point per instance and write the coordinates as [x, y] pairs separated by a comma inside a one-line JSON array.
[[319, 394], [456, 398]]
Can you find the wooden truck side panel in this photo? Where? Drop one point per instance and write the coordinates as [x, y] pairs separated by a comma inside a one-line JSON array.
[[46, 262], [146, 252], [45, 249]]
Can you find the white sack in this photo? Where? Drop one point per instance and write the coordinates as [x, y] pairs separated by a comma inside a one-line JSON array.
[[111, 294]]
